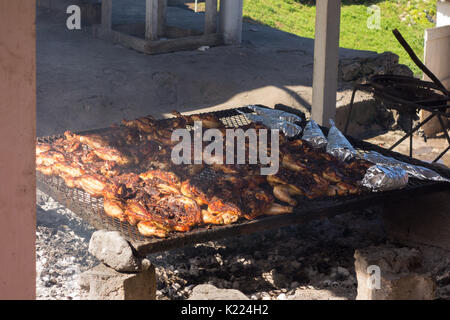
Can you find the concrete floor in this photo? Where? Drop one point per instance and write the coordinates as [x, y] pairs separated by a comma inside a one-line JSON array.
[[86, 83]]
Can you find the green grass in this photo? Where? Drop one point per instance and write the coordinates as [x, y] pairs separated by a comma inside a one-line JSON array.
[[298, 17]]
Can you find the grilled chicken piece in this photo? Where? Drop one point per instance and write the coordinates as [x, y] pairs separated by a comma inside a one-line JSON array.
[[348, 188], [93, 184], [284, 193], [70, 181], [288, 162], [193, 192], [94, 141], [165, 176], [68, 169], [42, 147], [66, 146], [114, 155], [89, 157], [177, 213], [209, 121], [47, 170], [145, 124], [162, 181], [220, 212], [49, 158], [255, 202], [225, 168], [332, 175], [115, 209], [149, 229], [277, 209], [136, 212]]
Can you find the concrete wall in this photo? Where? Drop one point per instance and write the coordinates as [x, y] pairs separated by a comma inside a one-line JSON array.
[[443, 13], [17, 152], [436, 58]]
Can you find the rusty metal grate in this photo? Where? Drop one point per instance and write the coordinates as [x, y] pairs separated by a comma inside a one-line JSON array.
[[91, 210]]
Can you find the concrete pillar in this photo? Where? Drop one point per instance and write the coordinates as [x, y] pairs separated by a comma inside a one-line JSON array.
[[103, 283], [211, 16], [326, 60], [230, 24], [17, 159], [390, 273], [405, 223], [442, 13], [436, 48]]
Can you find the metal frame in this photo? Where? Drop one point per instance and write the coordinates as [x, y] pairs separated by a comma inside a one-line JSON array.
[[379, 85]]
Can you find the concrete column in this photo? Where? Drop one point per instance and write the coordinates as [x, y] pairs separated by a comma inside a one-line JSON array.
[[211, 16], [326, 60], [231, 21], [442, 13], [18, 149]]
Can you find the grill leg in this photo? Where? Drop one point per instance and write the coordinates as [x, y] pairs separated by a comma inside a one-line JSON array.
[[350, 111], [411, 137], [442, 154], [444, 129], [412, 131]]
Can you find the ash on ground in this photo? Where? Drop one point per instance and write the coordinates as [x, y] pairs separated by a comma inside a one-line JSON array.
[[62, 241], [310, 261]]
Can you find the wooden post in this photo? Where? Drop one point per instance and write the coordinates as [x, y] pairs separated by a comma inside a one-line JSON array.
[[162, 14], [106, 16], [211, 16], [326, 60], [151, 19], [231, 21], [17, 162]]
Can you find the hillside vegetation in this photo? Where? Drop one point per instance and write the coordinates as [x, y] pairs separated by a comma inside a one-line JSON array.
[[298, 17]]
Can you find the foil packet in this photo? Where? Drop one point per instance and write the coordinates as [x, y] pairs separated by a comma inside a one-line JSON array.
[[414, 171], [338, 145], [314, 135], [385, 178], [275, 119]]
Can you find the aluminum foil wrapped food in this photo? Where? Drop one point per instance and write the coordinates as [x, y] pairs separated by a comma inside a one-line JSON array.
[[414, 171], [385, 178], [275, 119], [314, 135], [338, 145]]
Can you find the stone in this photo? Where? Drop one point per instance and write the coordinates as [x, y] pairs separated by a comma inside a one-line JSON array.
[[103, 283], [401, 70], [210, 292], [314, 294], [282, 296], [113, 250], [400, 274], [380, 64], [343, 272], [351, 71]]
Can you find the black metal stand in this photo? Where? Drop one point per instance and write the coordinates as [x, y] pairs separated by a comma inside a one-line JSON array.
[[410, 95]]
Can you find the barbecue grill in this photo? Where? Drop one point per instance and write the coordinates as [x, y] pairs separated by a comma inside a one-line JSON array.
[[91, 209]]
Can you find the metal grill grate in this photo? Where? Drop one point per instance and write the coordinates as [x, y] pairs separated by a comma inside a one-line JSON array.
[[91, 210]]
